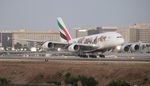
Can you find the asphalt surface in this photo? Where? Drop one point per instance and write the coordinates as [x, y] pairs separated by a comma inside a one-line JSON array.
[[111, 58], [132, 57]]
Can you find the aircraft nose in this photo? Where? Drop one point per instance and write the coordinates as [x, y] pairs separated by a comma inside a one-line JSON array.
[[122, 41]]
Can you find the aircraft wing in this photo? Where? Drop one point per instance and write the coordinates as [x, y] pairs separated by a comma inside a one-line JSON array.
[[74, 47], [46, 43], [64, 45], [87, 46], [29, 40]]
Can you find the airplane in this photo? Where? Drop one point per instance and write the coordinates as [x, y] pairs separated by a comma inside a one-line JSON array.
[[85, 46]]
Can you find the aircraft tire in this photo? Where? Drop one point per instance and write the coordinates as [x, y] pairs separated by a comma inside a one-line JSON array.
[[102, 56]]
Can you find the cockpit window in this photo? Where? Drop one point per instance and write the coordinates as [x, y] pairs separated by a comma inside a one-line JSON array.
[[119, 36]]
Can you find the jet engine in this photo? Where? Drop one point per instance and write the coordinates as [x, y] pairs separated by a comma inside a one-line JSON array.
[[130, 47], [48, 45], [134, 47], [125, 48], [73, 48]]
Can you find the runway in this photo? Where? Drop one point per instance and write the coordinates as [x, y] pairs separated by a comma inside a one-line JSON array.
[[47, 56], [77, 59]]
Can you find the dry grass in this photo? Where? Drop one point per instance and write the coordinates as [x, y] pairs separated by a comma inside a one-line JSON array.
[[103, 72]]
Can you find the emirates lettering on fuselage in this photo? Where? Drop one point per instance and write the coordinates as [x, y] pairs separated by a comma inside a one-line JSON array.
[[91, 40]]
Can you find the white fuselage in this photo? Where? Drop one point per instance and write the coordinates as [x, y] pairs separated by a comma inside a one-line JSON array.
[[102, 40]]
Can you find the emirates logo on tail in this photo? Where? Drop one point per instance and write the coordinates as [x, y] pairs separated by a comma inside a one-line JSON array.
[[64, 34]]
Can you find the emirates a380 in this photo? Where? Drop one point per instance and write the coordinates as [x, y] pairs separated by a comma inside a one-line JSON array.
[[90, 45]]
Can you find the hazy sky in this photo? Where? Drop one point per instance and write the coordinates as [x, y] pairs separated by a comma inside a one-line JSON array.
[[40, 15]]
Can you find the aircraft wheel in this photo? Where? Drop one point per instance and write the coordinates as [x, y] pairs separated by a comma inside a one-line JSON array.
[[93, 56], [83, 56], [102, 56]]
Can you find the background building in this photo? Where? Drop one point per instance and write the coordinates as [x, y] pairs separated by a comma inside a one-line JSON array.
[[79, 32], [135, 33], [109, 29], [19, 38], [140, 32], [84, 31], [22, 37], [6, 39]]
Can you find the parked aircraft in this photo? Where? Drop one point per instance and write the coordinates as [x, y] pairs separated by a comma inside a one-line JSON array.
[[85, 46]]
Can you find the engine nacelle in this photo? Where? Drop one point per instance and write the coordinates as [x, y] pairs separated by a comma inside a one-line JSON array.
[[134, 47], [125, 48], [73, 48], [48, 45]]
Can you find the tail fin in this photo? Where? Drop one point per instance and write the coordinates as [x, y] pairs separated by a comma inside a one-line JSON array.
[[64, 34]]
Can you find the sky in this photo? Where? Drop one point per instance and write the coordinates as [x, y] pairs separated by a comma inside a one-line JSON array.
[[40, 15]]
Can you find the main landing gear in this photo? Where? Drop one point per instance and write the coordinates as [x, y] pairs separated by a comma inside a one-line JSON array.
[[102, 56], [91, 55]]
